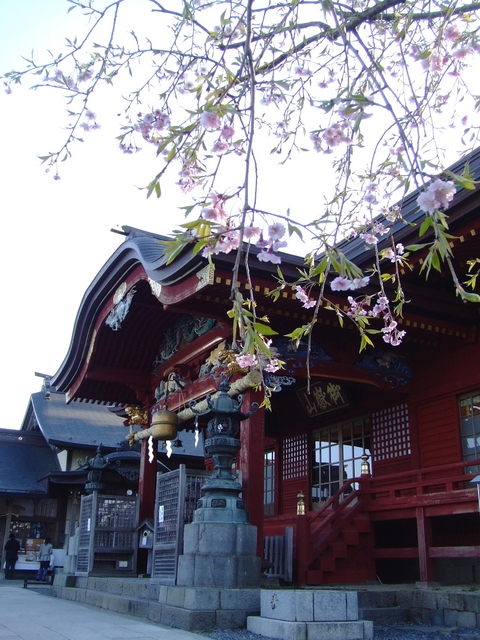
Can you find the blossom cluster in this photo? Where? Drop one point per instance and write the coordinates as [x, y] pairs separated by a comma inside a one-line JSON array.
[[210, 121], [438, 194], [341, 283], [150, 123], [269, 365], [302, 295], [381, 309], [271, 244], [332, 136]]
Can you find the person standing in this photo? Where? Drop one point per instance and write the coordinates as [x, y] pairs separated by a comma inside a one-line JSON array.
[[12, 547], [44, 556]]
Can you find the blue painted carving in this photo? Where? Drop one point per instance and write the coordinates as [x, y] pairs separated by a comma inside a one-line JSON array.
[[119, 312], [275, 383], [187, 328], [386, 366], [295, 355]]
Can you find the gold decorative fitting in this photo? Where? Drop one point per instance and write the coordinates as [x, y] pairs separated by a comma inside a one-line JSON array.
[[136, 415], [228, 357], [205, 276], [300, 504], [164, 425]]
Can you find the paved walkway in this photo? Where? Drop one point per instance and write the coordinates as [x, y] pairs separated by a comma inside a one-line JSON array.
[[30, 615]]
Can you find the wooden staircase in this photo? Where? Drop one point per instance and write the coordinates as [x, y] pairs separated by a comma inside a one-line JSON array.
[[334, 545]]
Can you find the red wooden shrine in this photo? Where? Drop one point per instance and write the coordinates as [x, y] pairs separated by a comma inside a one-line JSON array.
[[383, 448]]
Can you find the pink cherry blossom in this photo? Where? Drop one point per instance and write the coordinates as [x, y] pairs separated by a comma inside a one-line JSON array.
[[340, 284], [247, 360], [227, 132], [358, 283], [252, 233], [276, 231], [220, 147], [269, 256], [438, 194], [210, 121]]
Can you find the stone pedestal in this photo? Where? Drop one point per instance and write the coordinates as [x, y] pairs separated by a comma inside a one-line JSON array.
[[310, 614], [219, 554]]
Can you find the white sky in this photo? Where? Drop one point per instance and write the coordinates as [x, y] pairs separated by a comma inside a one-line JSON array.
[[56, 234]]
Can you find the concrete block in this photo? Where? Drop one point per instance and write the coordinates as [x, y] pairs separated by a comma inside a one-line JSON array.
[[330, 606], [246, 599], [415, 615], [246, 540], [352, 630], [467, 619], [201, 599], [185, 570], [138, 608], [155, 612], [94, 598], [433, 617], [289, 604], [215, 571], [429, 600], [190, 538], [110, 585], [282, 629], [471, 602], [352, 605], [456, 601], [478, 620], [81, 582], [187, 620], [450, 617], [172, 595], [248, 572], [236, 619], [222, 535]]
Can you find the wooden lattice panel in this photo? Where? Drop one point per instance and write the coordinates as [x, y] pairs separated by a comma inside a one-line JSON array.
[[391, 433], [295, 457]]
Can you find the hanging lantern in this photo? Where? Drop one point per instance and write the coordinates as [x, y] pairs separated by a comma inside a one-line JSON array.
[[164, 425]]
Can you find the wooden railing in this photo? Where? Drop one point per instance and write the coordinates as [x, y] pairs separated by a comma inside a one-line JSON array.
[[315, 532]]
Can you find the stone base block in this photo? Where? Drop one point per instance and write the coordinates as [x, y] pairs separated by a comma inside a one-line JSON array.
[[309, 605], [287, 630]]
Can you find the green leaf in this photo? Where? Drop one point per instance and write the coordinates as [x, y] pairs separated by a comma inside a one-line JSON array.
[[470, 297], [425, 226], [264, 329]]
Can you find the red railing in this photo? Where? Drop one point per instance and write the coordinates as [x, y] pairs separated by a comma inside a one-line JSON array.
[[315, 532]]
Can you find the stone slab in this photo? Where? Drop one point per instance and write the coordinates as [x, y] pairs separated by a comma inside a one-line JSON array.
[[309, 605], [287, 630]]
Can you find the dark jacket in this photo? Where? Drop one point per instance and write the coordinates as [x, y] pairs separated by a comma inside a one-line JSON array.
[[12, 548]]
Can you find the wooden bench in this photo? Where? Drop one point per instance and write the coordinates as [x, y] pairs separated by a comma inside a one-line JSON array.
[[31, 579]]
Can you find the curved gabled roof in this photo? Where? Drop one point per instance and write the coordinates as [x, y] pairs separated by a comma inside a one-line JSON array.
[[116, 366]]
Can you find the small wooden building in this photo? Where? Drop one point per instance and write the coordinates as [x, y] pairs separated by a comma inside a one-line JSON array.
[[383, 448]]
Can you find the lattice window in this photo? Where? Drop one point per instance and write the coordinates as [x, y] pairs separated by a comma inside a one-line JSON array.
[[295, 457], [391, 433]]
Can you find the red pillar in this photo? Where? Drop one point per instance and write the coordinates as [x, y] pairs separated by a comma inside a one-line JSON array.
[[148, 478], [251, 463], [302, 547]]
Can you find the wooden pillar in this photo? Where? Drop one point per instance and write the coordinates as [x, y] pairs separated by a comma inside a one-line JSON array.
[[302, 548], [424, 533], [148, 478], [251, 463]]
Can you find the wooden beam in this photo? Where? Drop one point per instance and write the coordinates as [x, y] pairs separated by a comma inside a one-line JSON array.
[[455, 552]]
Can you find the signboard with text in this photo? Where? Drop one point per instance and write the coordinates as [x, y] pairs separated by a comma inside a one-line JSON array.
[[324, 396]]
